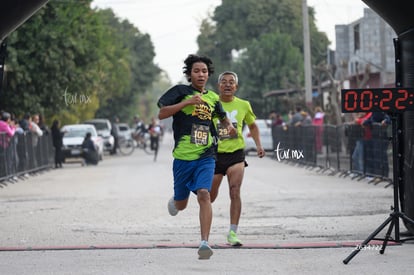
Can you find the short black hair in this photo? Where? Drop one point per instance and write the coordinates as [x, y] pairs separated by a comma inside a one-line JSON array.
[[193, 58], [5, 116]]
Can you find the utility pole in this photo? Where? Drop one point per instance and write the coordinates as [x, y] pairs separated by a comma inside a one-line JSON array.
[[307, 55], [3, 47]]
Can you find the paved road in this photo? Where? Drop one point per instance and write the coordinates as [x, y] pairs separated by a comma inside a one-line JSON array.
[[112, 219]]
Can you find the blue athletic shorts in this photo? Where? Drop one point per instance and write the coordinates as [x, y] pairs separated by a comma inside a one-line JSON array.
[[191, 176]]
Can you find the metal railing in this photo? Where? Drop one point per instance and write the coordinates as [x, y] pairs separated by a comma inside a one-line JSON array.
[[338, 149], [345, 149], [24, 153]]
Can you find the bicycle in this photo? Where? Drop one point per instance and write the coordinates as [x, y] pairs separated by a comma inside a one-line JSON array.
[[143, 142], [126, 146]]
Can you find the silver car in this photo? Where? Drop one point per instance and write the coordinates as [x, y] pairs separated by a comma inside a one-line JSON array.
[[124, 131], [104, 128], [73, 137], [265, 136]]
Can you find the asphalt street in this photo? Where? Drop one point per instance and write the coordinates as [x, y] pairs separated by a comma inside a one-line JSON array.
[[113, 219]]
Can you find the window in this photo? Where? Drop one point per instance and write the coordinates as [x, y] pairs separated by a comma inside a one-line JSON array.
[[357, 41]]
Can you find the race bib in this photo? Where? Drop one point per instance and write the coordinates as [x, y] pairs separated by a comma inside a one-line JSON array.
[[199, 134], [223, 133]]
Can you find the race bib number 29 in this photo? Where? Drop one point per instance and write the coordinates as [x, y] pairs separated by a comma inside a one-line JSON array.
[[199, 134], [223, 133]]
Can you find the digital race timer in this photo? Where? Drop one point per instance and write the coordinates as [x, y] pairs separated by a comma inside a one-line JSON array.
[[377, 100]]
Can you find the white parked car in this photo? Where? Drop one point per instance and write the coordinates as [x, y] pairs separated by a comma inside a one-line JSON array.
[[265, 136], [124, 131], [103, 127], [73, 137]]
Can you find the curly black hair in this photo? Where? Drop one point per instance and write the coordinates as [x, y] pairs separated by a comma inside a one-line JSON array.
[[191, 59]]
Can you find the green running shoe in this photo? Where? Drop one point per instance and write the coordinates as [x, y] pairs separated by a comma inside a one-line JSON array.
[[232, 239]]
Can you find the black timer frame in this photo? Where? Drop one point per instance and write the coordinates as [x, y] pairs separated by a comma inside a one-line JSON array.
[[397, 157]]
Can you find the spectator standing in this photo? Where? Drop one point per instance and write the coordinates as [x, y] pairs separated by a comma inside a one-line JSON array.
[[35, 128], [7, 131], [24, 144], [276, 122], [36, 133], [43, 126], [115, 134], [306, 120], [57, 139], [376, 159], [362, 144], [296, 117], [25, 123], [317, 122]]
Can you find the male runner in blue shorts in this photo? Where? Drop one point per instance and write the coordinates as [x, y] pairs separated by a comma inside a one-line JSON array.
[[193, 109]]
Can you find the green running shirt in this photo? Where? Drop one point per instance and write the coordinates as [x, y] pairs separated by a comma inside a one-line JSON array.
[[239, 112], [193, 125]]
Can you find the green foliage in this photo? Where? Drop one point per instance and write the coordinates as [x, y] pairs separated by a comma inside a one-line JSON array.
[[262, 40], [267, 64], [53, 52], [71, 62], [128, 71]]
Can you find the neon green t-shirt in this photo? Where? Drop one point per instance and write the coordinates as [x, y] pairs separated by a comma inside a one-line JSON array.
[[192, 125], [239, 111]]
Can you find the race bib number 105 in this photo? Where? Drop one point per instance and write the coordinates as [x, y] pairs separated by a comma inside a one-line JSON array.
[[199, 134]]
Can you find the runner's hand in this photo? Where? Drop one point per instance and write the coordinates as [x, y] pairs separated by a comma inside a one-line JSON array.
[[260, 152]]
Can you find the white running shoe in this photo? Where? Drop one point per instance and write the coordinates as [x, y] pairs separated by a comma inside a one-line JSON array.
[[204, 251], [171, 207]]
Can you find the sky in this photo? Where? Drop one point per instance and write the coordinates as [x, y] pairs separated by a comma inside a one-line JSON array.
[[174, 24]]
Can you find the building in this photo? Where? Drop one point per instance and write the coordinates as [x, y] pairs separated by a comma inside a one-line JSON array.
[[364, 55]]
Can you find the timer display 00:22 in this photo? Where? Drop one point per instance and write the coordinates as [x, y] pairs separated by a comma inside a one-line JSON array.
[[389, 100]]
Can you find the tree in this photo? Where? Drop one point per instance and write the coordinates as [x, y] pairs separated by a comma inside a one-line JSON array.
[[131, 61], [262, 69], [241, 26], [72, 62], [53, 53]]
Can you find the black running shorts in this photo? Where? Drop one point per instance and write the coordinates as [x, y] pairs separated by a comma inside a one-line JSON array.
[[225, 160]]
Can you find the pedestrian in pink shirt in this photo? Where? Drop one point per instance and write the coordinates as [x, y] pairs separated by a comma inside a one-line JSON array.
[[6, 133], [6, 129]]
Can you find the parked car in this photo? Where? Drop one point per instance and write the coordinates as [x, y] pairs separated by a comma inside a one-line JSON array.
[[124, 131], [104, 128], [265, 136], [73, 138]]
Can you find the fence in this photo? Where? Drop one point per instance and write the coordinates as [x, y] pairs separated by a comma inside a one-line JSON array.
[[24, 153], [347, 149], [340, 149]]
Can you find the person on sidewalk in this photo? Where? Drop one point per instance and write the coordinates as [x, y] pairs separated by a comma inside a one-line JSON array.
[[57, 139], [230, 160], [193, 109], [90, 152]]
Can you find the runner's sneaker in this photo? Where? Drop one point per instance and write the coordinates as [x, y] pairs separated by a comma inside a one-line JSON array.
[[204, 251], [232, 239], [171, 207]]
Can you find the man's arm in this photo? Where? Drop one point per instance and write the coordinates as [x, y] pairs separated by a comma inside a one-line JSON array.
[[255, 133], [36, 129], [170, 110]]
